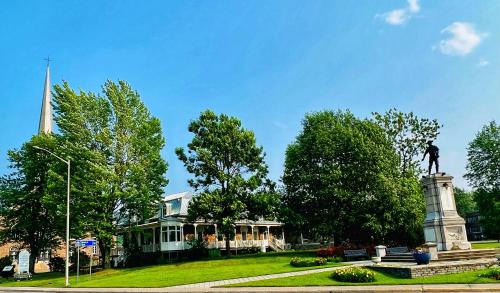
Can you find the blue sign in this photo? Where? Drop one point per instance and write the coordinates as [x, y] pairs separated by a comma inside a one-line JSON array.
[[84, 243]]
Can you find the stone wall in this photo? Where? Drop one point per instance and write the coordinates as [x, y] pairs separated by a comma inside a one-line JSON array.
[[415, 271]]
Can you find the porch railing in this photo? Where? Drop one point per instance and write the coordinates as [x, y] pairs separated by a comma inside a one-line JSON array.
[[150, 247]]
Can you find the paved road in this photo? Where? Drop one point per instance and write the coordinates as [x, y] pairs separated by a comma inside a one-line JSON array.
[[377, 289]]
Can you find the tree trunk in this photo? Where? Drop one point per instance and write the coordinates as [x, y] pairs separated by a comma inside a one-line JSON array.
[[33, 255], [228, 246], [105, 251]]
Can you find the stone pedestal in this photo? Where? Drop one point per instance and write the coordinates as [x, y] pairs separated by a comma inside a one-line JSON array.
[[442, 224], [380, 250]]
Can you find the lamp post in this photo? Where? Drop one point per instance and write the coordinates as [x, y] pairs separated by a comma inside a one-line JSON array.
[[67, 162]]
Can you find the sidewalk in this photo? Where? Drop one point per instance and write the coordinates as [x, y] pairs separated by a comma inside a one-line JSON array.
[[377, 289]]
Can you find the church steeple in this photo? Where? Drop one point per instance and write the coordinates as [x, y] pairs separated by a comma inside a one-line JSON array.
[[45, 125]]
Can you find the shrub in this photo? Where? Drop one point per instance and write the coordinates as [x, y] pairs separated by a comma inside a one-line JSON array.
[[5, 261], [57, 264], [198, 249], [492, 273], [307, 262], [334, 259], [353, 275], [326, 252]]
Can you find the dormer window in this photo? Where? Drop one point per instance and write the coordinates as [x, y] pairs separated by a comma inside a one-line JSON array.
[[167, 209]]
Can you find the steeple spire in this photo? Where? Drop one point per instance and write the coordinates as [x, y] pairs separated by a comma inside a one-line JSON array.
[[45, 125]]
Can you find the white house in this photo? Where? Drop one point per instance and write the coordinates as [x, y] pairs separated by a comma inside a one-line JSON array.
[[169, 231]]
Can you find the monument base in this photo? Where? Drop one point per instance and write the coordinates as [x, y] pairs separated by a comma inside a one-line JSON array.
[[442, 224]]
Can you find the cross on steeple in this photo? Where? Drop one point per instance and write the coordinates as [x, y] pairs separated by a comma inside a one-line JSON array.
[[48, 60]]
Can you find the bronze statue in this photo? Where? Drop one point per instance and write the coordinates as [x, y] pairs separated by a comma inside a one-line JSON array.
[[433, 152]]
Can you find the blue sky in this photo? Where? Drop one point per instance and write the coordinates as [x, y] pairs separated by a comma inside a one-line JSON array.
[[266, 62]]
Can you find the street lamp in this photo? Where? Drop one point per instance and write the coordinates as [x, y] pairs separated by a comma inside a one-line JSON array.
[[67, 162]]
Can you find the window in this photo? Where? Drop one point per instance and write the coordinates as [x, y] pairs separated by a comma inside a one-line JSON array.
[[164, 234], [171, 233], [167, 209]]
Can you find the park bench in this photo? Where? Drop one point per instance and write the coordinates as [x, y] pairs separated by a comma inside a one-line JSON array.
[[355, 254], [396, 250]]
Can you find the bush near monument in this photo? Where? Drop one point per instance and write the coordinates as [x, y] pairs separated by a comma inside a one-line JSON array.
[[307, 262], [353, 275], [492, 273]]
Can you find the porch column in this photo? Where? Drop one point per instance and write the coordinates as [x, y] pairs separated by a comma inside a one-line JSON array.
[[154, 239], [283, 235], [253, 238], [216, 237], [195, 233], [182, 236], [267, 232]]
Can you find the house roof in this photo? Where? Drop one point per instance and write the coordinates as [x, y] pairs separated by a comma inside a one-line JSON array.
[[179, 201]]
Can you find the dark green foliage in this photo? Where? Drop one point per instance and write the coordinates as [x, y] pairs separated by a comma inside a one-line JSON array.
[[488, 203], [115, 143], [464, 201], [198, 249], [57, 264], [5, 261], [483, 173], [307, 262], [73, 259], [132, 251], [342, 179], [33, 197], [353, 275], [409, 135], [492, 273], [229, 173]]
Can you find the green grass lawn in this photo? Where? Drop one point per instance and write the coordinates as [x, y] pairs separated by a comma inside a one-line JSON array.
[[323, 279], [489, 244], [176, 273]]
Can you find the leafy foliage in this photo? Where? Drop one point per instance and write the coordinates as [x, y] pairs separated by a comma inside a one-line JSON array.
[[464, 201], [5, 261], [57, 264], [484, 158], [31, 197], [492, 273], [307, 262], [198, 249], [229, 173], [409, 135], [342, 178], [115, 143], [483, 173], [353, 275]]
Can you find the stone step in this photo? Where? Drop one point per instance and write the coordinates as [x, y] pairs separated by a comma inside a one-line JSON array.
[[466, 254], [398, 257]]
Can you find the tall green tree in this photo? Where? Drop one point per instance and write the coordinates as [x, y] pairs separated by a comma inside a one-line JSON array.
[[483, 173], [229, 173], [115, 144], [409, 135], [464, 201], [32, 198], [342, 179]]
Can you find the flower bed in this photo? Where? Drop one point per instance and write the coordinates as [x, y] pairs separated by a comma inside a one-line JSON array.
[[307, 262], [353, 275]]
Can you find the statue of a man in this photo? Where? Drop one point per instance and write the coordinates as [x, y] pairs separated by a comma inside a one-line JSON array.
[[433, 152]]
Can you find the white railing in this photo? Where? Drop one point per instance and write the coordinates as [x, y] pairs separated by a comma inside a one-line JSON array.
[[238, 243], [150, 247], [277, 244]]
